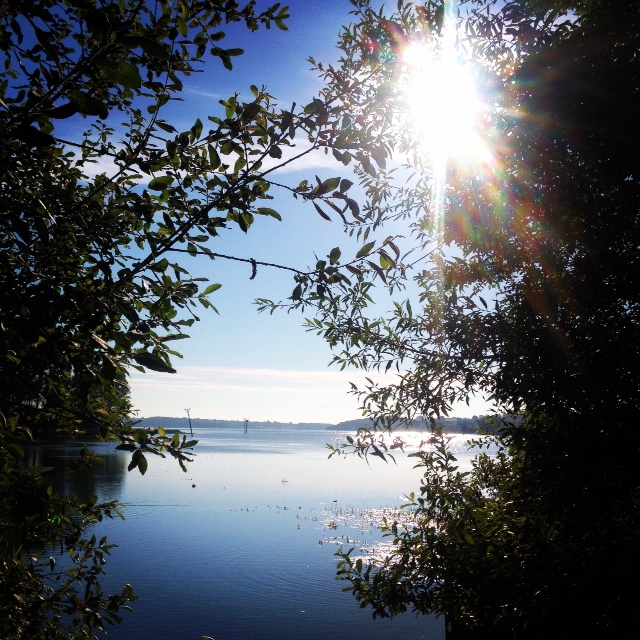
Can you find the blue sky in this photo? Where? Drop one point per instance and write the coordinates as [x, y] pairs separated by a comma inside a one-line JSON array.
[[241, 364]]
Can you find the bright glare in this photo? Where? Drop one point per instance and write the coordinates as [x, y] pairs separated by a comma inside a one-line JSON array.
[[444, 104]]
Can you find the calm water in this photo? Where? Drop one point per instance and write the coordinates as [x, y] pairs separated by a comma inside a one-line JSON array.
[[248, 553]]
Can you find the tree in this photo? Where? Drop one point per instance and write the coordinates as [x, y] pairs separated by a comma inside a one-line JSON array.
[[89, 280], [526, 291]]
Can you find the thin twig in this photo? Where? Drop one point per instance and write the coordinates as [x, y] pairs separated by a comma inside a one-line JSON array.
[[249, 260]]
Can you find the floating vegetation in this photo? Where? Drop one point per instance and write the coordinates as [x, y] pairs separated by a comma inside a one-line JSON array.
[[358, 527], [366, 521], [376, 555]]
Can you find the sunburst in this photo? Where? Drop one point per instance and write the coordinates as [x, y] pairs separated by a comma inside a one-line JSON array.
[[444, 103]]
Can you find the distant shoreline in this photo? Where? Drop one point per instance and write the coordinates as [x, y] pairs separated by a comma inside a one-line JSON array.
[[181, 425]]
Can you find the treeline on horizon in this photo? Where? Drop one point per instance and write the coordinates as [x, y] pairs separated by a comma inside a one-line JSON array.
[[475, 424]]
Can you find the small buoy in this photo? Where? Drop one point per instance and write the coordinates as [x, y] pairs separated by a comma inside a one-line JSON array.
[[193, 486]]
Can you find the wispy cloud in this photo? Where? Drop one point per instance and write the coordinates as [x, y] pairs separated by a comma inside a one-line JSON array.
[[205, 93], [316, 159], [261, 394], [231, 379], [265, 394]]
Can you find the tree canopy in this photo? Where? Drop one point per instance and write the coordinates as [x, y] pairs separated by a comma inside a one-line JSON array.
[[95, 231], [520, 285]]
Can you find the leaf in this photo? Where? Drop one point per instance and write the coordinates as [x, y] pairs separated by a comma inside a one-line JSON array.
[[169, 128], [385, 262], [210, 289], [345, 185], [239, 165], [135, 458], [353, 207], [287, 120], [334, 256], [214, 158], [378, 154], [330, 185], [312, 107], [321, 212], [467, 536], [247, 221], [297, 293], [161, 266], [63, 111], [266, 211], [34, 137], [368, 167], [153, 362], [181, 23], [160, 183], [250, 111], [175, 336], [142, 464], [88, 105], [226, 62], [378, 270], [128, 75], [377, 452], [196, 130], [152, 48], [365, 250], [126, 447]]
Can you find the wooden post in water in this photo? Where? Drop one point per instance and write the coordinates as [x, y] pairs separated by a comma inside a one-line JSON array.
[[189, 416], [246, 425]]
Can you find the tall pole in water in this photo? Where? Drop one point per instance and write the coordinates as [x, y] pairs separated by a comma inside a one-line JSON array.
[[246, 425], [189, 416]]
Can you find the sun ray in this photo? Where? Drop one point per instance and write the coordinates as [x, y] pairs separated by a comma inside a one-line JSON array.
[[444, 106]]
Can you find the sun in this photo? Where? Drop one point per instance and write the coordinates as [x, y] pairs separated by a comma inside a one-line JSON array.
[[444, 103]]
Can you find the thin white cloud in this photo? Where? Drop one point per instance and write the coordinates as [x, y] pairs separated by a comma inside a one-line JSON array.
[[259, 380], [212, 95], [102, 165], [316, 159], [265, 394], [261, 394]]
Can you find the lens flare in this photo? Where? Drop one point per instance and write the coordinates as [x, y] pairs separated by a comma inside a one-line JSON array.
[[445, 115], [444, 104]]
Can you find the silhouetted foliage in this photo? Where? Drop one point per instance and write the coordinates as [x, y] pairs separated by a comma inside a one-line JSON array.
[[521, 285]]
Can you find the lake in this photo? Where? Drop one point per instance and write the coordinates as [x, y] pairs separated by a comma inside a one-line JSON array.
[[248, 552]]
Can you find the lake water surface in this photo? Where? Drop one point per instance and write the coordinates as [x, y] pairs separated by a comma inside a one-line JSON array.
[[248, 552]]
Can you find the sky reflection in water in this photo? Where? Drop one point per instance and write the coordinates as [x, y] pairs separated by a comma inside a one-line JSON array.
[[248, 552]]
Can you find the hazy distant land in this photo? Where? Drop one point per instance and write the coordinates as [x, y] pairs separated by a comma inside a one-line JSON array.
[[449, 425]]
